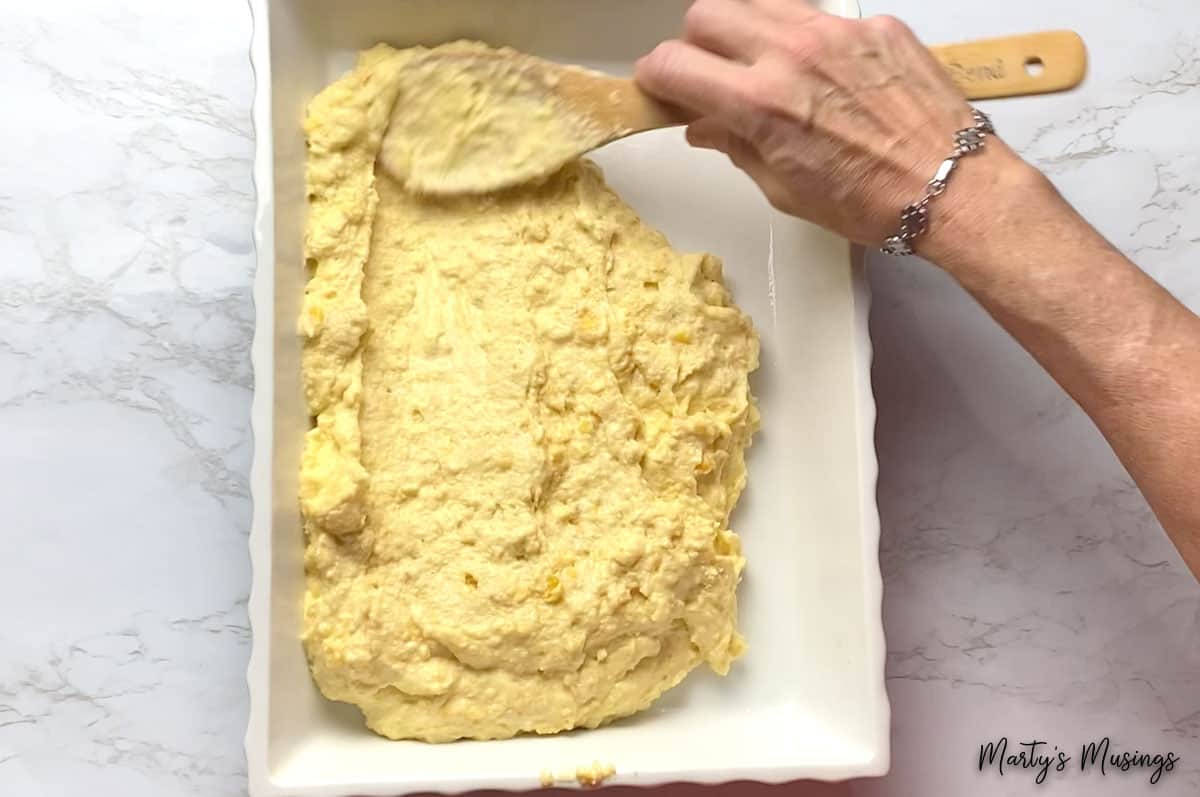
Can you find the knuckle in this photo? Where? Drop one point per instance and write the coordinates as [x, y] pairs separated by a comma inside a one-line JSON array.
[[803, 46], [830, 26], [777, 197], [757, 128], [663, 53], [696, 17], [739, 151], [772, 136], [663, 61], [888, 26], [772, 130], [759, 96]]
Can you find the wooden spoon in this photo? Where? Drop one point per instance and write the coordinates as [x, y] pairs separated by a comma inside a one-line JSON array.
[[493, 143], [1008, 66]]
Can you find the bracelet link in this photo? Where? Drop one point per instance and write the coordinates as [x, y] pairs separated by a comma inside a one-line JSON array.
[[914, 219], [938, 184], [895, 245]]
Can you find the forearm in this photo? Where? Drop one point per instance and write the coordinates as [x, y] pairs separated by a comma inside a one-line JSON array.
[[794, 97], [1124, 348]]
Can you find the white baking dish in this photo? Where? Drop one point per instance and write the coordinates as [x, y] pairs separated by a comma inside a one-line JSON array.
[[808, 699]]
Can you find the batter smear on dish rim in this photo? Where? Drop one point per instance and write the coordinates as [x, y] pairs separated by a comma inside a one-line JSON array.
[[530, 421]]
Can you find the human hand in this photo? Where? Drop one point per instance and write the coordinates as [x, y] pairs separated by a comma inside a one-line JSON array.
[[839, 121]]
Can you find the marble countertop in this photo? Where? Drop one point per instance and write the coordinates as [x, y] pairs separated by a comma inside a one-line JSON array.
[[1029, 591]]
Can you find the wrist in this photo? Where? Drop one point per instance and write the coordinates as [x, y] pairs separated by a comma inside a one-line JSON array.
[[990, 205]]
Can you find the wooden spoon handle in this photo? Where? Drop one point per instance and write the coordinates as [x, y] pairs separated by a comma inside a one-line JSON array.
[[1011, 66], [615, 105]]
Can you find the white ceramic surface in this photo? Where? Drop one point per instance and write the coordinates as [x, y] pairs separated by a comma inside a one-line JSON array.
[[1027, 589], [808, 698]]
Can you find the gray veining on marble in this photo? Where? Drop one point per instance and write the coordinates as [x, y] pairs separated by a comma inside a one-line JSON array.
[[125, 320], [1029, 590]]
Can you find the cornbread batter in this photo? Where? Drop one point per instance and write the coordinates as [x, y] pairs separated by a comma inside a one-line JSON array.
[[472, 118], [531, 415]]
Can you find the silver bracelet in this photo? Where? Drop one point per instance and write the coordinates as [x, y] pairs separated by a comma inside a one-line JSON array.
[[915, 217]]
